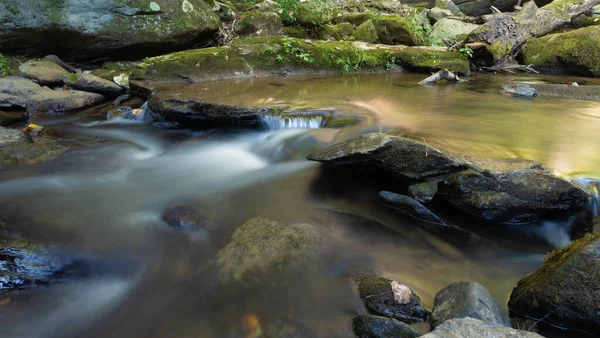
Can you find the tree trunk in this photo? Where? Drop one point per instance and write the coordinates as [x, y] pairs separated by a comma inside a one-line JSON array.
[[505, 33]]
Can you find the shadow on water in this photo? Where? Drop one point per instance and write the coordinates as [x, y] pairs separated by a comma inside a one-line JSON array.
[[144, 279]]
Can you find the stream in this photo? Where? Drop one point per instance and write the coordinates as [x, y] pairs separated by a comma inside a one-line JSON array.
[[140, 278]]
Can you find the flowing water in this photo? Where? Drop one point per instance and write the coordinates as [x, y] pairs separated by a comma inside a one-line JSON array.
[[144, 279]]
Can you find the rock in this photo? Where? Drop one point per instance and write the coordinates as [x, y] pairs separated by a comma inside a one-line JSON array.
[[423, 192], [260, 23], [122, 80], [8, 135], [520, 90], [268, 6], [437, 14], [591, 93], [470, 327], [24, 264], [11, 117], [196, 113], [17, 86], [397, 156], [185, 217], [92, 83], [467, 299], [409, 207], [43, 72], [366, 32], [367, 326], [8, 101], [450, 31], [89, 30], [225, 12], [565, 290], [516, 196], [448, 5], [376, 294], [61, 63], [481, 7], [574, 52], [121, 112], [57, 102], [395, 30], [345, 29], [264, 247]]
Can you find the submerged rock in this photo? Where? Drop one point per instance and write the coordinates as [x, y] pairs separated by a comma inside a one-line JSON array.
[[565, 291], [9, 135], [88, 30], [23, 264], [376, 294], [467, 299], [573, 52], [367, 326], [591, 93], [409, 207], [520, 90], [471, 327], [186, 217], [43, 72], [263, 247], [92, 83]]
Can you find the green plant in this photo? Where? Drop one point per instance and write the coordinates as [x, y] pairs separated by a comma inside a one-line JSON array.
[[289, 9], [4, 66], [293, 52], [390, 63], [316, 12], [466, 51]]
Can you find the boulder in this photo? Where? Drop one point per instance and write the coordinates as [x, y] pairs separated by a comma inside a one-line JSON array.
[[565, 291], [8, 101], [18, 86], [517, 196], [467, 299], [92, 83], [409, 207], [396, 156], [43, 72], [194, 112], [448, 5], [450, 31], [264, 247], [491, 190], [574, 52], [481, 7], [89, 30], [366, 32], [376, 294], [58, 102], [367, 326], [471, 327], [395, 30], [259, 23], [437, 14]]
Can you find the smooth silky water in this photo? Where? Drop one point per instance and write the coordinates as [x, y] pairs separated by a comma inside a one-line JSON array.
[[144, 279]]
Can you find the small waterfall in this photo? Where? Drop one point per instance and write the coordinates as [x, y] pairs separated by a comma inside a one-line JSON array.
[[276, 122], [593, 188]]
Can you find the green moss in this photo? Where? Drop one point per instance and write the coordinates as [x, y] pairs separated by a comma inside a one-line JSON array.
[[395, 30], [344, 29], [577, 51], [499, 50], [71, 78], [296, 32], [366, 32], [422, 59]]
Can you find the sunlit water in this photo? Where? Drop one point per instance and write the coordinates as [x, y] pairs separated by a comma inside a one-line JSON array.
[[148, 280]]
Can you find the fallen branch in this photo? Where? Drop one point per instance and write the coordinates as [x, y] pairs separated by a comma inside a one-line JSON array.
[[443, 74], [511, 69]]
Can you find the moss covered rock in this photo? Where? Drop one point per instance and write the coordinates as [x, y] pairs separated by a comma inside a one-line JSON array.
[[259, 23], [92, 83], [449, 31], [574, 52], [273, 56], [395, 30], [366, 32], [376, 294], [92, 29], [263, 247], [566, 289]]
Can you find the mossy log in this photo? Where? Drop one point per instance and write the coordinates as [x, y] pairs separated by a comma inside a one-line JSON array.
[[504, 33]]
